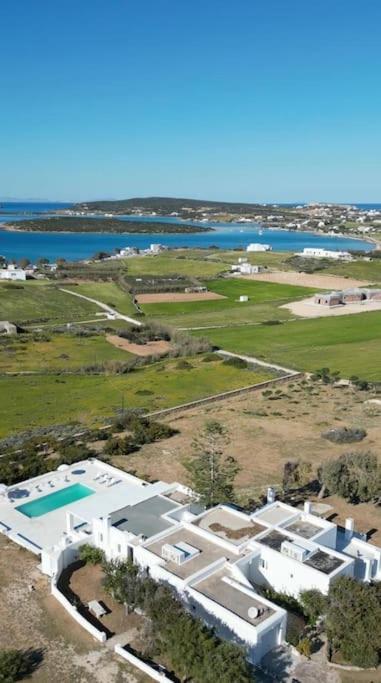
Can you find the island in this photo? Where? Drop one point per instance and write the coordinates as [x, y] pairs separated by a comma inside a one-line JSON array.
[[113, 225]]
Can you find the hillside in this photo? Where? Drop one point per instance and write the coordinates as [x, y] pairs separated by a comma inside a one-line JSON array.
[[71, 224], [164, 205]]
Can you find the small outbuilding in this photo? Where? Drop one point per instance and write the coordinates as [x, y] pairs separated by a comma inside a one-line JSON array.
[[7, 328]]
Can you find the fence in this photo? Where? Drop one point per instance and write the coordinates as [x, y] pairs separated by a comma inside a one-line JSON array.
[[226, 394], [99, 635], [139, 664]]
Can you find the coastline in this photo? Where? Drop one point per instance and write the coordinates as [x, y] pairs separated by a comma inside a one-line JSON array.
[[7, 227]]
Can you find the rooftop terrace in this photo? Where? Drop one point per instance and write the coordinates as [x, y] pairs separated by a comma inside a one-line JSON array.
[[228, 525], [233, 598], [146, 517], [209, 552]]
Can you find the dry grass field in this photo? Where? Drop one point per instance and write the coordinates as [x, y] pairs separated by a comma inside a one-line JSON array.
[[173, 297], [35, 620], [265, 434]]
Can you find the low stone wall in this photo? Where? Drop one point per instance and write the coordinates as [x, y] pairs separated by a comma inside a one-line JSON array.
[[226, 394], [143, 666], [97, 634]]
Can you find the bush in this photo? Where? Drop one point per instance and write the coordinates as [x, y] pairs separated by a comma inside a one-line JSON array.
[[344, 434], [235, 362], [183, 365], [14, 665], [90, 555], [353, 476], [314, 604], [304, 647], [210, 358]]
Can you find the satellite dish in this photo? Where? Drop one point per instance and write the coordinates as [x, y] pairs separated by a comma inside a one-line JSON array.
[[253, 612]]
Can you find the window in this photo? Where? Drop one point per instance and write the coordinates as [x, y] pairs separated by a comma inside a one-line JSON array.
[[101, 538], [263, 563], [119, 548]]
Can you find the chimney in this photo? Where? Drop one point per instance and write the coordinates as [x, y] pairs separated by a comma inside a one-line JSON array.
[[308, 507], [349, 527], [270, 495]]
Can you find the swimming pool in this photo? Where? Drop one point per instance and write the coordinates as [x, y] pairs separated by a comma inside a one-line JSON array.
[[53, 501]]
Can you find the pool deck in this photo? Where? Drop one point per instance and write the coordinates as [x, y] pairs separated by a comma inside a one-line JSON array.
[[112, 488]]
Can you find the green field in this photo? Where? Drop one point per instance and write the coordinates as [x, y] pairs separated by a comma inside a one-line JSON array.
[[61, 352], [264, 301], [349, 343], [39, 301], [108, 293], [175, 263], [30, 401]]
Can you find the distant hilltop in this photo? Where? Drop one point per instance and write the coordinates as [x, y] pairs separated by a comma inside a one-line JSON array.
[[164, 205]]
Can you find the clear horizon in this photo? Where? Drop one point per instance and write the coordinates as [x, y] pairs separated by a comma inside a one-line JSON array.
[[245, 102]]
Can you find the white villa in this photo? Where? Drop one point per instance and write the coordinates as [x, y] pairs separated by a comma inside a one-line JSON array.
[[257, 246], [314, 252], [12, 272], [217, 560]]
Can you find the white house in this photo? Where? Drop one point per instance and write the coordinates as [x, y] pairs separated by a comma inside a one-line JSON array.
[[218, 560], [314, 252], [12, 272], [256, 246], [246, 269]]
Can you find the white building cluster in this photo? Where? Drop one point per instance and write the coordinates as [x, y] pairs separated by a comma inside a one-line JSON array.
[[218, 560], [314, 252]]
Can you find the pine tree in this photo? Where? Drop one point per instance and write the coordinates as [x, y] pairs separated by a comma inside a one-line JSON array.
[[211, 473]]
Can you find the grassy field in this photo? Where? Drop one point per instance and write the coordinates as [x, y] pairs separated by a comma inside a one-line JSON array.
[[179, 263], [61, 352], [28, 401], [38, 301], [348, 343], [108, 293], [264, 301]]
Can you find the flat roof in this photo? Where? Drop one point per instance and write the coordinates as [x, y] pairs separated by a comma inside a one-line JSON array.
[[233, 598], [146, 517], [319, 559], [229, 525], [112, 489], [209, 552], [303, 528], [276, 514]]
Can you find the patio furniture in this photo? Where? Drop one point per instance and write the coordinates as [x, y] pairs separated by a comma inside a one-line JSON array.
[[96, 608]]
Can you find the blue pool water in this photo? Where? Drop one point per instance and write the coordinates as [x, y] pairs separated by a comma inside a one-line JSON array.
[[53, 501]]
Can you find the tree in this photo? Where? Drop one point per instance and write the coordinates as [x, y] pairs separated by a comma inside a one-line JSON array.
[[314, 604], [354, 476], [24, 262], [353, 621], [90, 555], [296, 474], [43, 261], [211, 473], [14, 665]]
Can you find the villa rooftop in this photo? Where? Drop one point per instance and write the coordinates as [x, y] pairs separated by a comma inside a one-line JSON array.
[[229, 525], [236, 599], [145, 518], [303, 528], [209, 552], [324, 562], [277, 514]]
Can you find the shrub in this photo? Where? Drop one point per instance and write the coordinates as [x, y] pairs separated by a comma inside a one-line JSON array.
[[90, 555], [236, 362], [210, 358], [344, 434], [183, 365], [304, 647], [314, 604], [353, 476], [14, 665]]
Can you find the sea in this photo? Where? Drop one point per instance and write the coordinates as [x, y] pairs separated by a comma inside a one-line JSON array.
[[77, 246]]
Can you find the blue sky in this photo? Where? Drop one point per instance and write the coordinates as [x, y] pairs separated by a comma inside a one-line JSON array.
[[278, 100]]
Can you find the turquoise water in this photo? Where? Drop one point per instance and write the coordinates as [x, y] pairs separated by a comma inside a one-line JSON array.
[[53, 501], [75, 246]]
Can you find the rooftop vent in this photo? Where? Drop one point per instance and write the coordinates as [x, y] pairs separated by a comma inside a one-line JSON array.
[[293, 550], [253, 613], [179, 552]]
